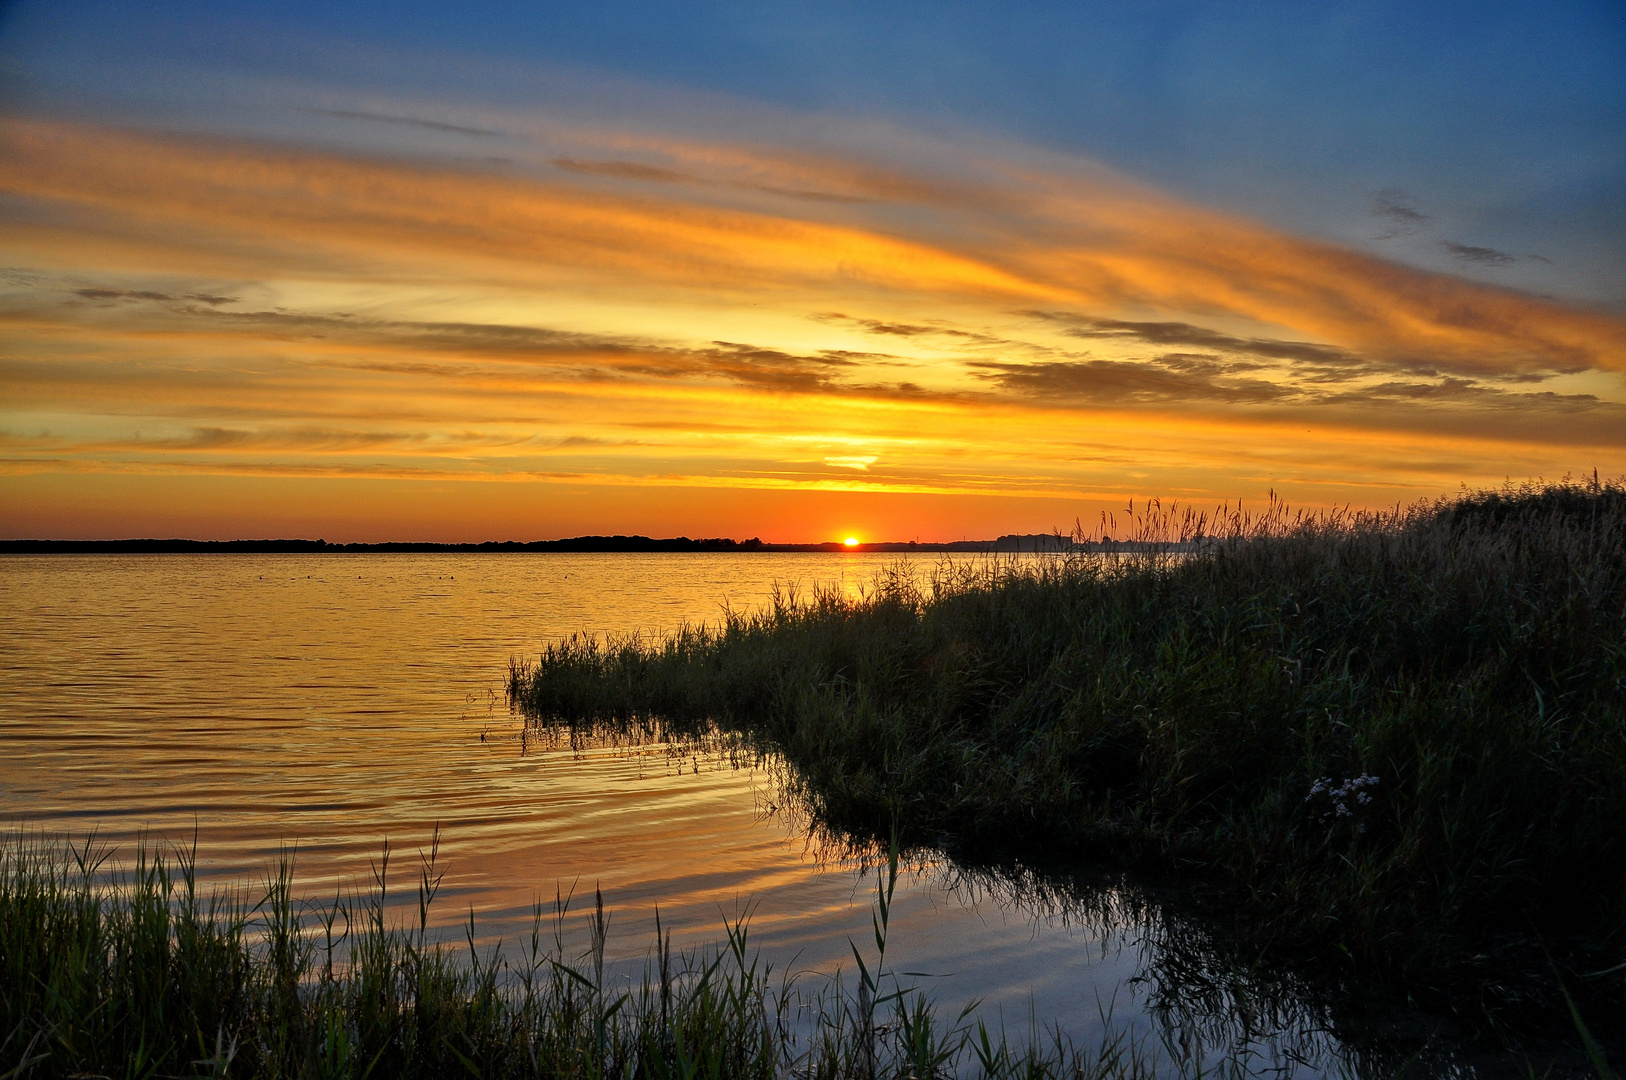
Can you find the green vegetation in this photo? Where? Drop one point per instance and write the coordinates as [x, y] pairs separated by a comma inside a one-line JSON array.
[[132, 973], [1394, 737]]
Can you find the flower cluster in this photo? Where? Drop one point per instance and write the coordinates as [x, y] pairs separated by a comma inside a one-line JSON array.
[[1342, 796]]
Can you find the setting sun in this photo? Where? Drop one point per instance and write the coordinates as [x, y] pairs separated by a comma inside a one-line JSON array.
[[1233, 395]]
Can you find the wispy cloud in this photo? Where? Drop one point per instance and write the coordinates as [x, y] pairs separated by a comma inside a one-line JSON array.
[[626, 170], [1187, 335], [408, 121], [656, 174], [1104, 250], [1107, 382], [148, 294], [1399, 209], [655, 312], [1482, 255]]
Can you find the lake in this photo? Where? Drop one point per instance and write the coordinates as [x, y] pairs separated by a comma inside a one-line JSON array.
[[331, 702]]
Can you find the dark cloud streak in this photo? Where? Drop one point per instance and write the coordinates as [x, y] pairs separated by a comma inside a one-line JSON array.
[[121, 294], [1120, 382], [626, 170], [1190, 365], [147, 294], [1483, 255], [1396, 207], [1185, 334], [410, 121], [638, 171]]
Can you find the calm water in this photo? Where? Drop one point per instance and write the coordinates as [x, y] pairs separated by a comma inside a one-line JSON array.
[[334, 701]]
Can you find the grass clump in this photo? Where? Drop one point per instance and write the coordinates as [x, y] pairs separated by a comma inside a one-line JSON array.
[[1394, 736], [133, 973]]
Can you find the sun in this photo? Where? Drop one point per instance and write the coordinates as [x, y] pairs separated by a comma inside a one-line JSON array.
[[851, 541]]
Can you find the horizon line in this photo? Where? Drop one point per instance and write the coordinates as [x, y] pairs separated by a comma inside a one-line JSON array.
[[606, 543]]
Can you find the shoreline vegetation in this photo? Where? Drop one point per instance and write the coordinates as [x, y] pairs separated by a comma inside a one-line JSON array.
[[126, 968], [1391, 744], [130, 970], [1390, 747]]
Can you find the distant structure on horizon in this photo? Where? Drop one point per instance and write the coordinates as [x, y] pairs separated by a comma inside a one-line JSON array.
[[1011, 543]]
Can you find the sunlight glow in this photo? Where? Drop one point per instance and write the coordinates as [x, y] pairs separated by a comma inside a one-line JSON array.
[[851, 541], [926, 349]]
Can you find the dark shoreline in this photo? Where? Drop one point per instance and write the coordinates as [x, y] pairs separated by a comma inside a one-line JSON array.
[[1391, 744], [1013, 544]]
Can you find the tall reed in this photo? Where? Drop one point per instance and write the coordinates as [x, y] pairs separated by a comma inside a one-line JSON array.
[[132, 972], [1396, 738]]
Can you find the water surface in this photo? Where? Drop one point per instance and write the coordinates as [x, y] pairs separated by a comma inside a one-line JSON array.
[[336, 701]]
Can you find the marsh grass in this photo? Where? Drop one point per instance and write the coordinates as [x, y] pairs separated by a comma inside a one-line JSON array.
[[131, 971], [1394, 741]]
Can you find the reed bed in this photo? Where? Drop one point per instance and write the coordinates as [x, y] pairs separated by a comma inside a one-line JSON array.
[[133, 972], [1394, 741]]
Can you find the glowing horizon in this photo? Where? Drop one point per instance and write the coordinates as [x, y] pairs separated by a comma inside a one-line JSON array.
[[814, 328]]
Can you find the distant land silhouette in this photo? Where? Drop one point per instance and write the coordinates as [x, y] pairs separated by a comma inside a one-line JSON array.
[[1013, 543]]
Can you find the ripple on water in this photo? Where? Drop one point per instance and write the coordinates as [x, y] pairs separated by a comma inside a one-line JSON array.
[[334, 701]]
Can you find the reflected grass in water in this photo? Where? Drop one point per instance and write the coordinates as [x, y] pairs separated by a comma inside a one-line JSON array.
[[130, 971], [1201, 996], [1220, 713], [1208, 1001]]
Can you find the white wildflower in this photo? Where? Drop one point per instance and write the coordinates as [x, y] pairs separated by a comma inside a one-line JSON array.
[[1340, 795]]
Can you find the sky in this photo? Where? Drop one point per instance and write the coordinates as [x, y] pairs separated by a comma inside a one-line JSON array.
[[799, 271]]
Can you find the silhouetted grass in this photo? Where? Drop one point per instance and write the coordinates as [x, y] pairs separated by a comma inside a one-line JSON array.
[[1398, 737], [133, 973]]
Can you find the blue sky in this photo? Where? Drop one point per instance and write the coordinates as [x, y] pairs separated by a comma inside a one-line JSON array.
[[1482, 139], [391, 271]]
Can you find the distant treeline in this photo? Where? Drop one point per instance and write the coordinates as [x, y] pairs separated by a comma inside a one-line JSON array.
[[1013, 543]]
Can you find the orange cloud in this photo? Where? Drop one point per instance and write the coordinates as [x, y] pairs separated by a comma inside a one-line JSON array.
[[739, 318]]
